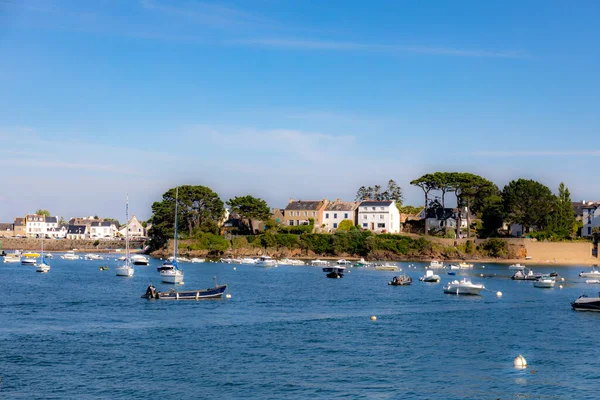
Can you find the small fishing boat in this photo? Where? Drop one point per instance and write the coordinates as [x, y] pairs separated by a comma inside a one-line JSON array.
[[343, 262], [464, 265], [265, 261], [138, 259], [319, 263], [451, 273], [93, 257], [103, 268], [464, 286], [453, 266], [335, 272], [546, 282], [210, 293], [521, 275], [594, 273], [436, 264], [197, 260], [430, 277], [516, 266], [402, 280], [28, 260], [585, 303], [230, 260], [290, 261], [12, 258], [363, 263], [386, 267], [70, 255]]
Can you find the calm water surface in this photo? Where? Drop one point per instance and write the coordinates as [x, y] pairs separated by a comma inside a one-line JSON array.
[[78, 332]]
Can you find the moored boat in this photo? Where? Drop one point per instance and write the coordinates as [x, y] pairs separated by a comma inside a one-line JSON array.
[[386, 267], [402, 280], [319, 263], [266, 261], [70, 255], [28, 260], [290, 261], [92, 256], [521, 275], [335, 272], [464, 265], [516, 266], [138, 259], [12, 257], [436, 264], [430, 277], [197, 260], [594, 273], [544, 282], [126, 269], [169, 271], [210, 293], [463, 286], [585, 303], [343, 262]]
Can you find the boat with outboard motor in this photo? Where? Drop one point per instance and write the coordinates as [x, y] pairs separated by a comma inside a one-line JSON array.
[[430, 277], [266, 262], [594, 273], [585, 303], [436, 264], [516, 266], [138, 259], [528, 275], [386, 267], [335, 272], [463, 286], [70, 255], [402, 280], [545, 281], [204, 294], [12, 257]]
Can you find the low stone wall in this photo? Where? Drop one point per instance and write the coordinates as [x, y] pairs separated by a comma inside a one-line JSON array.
[[67, 244]]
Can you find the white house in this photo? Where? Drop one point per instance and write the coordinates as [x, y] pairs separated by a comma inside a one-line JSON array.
[[135, 228], [379, 216], [58, 232], [77, 232], [102, 230], [591, 217], [336, 212], [38, 225]]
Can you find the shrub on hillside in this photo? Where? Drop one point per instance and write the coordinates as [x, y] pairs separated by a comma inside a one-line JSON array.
[[494, 248]]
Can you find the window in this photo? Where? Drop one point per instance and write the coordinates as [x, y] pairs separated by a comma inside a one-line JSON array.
[[365, 208], [589, 230], [381, 216], [335, 216], [589, 220], [381, 208], [374, 208], [291, 222], [381, 225], [364, 217], [306, 213], [335, 225], [372, 216], [345, 215], [314, 213], [326, 215], [365, 225]]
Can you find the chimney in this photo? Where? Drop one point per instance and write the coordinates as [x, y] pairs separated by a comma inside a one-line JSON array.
[[291, 201], [338, 200]]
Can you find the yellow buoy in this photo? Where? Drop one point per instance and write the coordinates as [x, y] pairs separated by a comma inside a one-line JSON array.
[[499, 294], [228, 296], [520, 362], [373, 318]]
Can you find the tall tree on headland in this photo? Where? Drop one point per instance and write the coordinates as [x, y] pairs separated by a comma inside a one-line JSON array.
[[199, 209], [251, 208], [392, 192], [562, 220], [427, 183], [45, 213], [527, 203]]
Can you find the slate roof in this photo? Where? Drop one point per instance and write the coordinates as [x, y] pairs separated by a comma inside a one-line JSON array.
[[52, 220], [76, 230], [373, 203], [312, 205], [19, 221], [6, 226], [342, 206], [102, 223]]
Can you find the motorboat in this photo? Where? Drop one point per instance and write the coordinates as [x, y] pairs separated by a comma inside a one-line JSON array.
[[197, 260], [585, 303], [181, 259], [544, 282], [386, 267], [436, 264], [594, 273], [363, 263], [266, 261], [453, 266], [343, 262], [430, 277], [70, 255], [528, 275], [230, 260], [103, 268], [319, 263], [12, 258], [28, 260], [49, 255], [463, 286], [30, 255], [402, 280], [335, 272], [516, 266], [592, 281], [210, 293], [138, 259], [92, 256], [290, 261], [126, 269], [464, 265]]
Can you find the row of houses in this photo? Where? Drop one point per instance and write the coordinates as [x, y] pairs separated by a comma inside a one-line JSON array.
[[36, 226], [588, 212]]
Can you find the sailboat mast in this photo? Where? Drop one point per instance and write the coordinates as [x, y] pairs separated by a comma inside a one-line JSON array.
[[175, 239], [127, 228]]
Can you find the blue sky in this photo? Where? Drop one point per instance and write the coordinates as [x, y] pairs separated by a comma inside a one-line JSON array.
[[283, 99]]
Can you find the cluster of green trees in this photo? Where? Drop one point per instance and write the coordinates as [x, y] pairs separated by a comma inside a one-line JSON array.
[[392, 192], [522, 201]]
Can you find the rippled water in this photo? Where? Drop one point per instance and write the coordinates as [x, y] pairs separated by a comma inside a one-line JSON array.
[[78, 332]]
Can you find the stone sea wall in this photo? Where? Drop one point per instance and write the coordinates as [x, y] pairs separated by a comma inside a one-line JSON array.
[[67, 244]]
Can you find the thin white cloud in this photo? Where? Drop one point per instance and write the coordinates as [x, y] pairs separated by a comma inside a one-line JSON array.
[[537, 153], [357, 46]]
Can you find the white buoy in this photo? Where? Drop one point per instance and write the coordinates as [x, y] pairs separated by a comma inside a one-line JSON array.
[[499, 293], [520, 362], [560, 286], [483, 266], [481, 275], [234, 268], [562, 279], [373, 318], [228, 296]]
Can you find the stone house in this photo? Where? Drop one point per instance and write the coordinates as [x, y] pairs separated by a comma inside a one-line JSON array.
[[6, 229], [298, 212], [135, 227], [19, 227], [75, 232], [337, 211], [379, 216]]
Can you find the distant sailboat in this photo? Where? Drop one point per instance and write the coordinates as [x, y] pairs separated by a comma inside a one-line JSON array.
[[169, 271], [126, 269], [42, 266]]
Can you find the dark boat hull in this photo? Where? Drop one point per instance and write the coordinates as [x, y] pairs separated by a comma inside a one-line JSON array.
[[586, 304], [334, 275], [210, 293]]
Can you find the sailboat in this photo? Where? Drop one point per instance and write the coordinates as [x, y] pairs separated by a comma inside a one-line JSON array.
[[169, 271], [42, 266], [126, 269]]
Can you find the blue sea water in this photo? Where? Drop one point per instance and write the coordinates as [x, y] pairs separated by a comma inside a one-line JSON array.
[[289, 332]]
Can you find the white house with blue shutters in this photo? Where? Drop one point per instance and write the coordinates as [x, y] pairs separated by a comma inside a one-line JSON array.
[[337, 211]]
